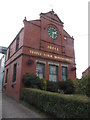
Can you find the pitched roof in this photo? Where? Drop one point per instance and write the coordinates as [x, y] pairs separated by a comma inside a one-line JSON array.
[[52, 15]]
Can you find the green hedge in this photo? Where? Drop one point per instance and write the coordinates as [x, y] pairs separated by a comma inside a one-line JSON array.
[[67, 86], [57, 105], [52, 86], [31, 80], [83, 86]]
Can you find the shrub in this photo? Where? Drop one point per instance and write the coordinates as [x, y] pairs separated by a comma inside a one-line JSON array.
[[60, 91], [83, 86], [57, 105], [67, 86], [52, 86], [31, 80], [80, 87], [44, 84], [88, 86]]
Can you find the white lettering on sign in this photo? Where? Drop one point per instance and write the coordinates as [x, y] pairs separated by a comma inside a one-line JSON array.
[[52, 48], [35, 52], [52, 56]]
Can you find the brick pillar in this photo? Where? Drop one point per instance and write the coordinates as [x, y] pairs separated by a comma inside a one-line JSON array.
[[59, 73], [47, 71]]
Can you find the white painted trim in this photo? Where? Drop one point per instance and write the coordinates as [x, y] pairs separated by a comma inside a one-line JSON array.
[[51, 63], [40, 61], [64, 65]]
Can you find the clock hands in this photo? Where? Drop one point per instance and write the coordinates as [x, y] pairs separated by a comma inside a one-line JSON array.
[[52, 33]]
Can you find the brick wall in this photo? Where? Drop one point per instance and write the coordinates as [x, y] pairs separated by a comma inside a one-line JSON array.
[[36, 45]]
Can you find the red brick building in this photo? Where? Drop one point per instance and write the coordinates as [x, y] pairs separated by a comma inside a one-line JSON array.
[[42, 47], [86, 72]]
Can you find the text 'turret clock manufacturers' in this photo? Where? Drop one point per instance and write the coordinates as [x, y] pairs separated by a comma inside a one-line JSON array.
[[52, 32]]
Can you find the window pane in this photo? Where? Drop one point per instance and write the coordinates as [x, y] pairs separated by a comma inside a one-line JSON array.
[[6, 76], [53, 78], [40, 75], [64, 78], [14, 72], [53, 73], [52, 69], [17, 43], [9, 53], [64, 73], [40, 69], [64, 70]]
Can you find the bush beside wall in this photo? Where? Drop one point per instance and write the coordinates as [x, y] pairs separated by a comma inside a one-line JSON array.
[[83, 86], [67, 86], [33, 81], [57, 105], [52, 86]]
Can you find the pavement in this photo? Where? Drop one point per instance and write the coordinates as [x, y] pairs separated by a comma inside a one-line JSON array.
[[13, 109]]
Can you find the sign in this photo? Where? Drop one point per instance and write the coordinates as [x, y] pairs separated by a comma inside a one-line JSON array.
[[49, 55], [52, 48]]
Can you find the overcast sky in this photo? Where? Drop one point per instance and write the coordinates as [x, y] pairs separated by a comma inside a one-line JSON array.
[[74, 14]]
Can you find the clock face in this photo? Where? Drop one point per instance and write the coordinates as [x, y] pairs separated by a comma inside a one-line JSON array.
[[52, 32]]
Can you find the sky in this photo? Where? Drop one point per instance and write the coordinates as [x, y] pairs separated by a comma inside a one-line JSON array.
[[74, 14]]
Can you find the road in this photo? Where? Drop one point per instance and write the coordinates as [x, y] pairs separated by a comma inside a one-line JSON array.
[[13, 109]]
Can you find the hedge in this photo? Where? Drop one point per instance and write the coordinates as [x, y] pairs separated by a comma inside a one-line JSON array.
[[67, 86], [31, 80], [57, 105], [83, 86], [52, 86]]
